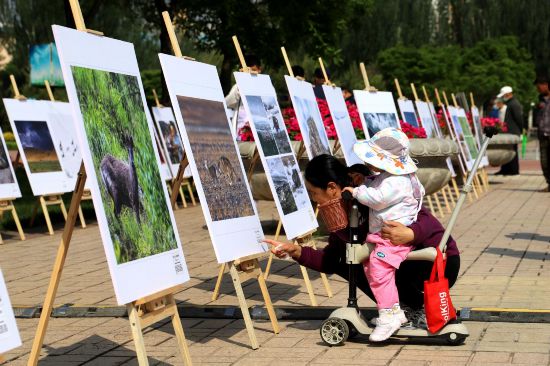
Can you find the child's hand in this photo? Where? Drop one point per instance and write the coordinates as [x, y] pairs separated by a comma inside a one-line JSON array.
[[348, 189]]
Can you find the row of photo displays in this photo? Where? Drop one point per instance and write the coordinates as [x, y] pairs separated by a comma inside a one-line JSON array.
[[107, 125]]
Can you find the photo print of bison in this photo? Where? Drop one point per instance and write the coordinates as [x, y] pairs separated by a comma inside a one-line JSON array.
[[270, 126], [378, 121], [6, 176], [172, 140], [312, 126], [215, 157], [38, 147], [124, 161]]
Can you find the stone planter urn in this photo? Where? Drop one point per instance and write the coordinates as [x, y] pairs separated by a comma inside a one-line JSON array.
[[431, 155], [501, 148]]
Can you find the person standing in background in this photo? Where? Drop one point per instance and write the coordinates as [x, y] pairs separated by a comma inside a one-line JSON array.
[[233, 98], [542, 119], [318, 81], [515, 123], [500, 108]]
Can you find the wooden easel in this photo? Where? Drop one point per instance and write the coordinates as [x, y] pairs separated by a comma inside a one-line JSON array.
[[328, 83], [185, 181], [453, 180], [142, 312], [307, 238], [434, 195], [461, 157], [481, 171], [86, 196], [244, 268], [6, 204], [53, 199], [447, 188], [478, 188]]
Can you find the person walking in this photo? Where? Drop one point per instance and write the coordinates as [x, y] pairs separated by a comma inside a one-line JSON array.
[[515, 123], [542, 119]]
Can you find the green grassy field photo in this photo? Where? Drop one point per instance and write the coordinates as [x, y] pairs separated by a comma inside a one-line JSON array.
[[124, 161]]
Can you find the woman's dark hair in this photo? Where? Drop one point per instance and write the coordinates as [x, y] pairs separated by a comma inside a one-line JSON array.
[[361, 169], [323, 169]]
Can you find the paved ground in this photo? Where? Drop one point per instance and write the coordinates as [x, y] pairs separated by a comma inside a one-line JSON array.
[[504, 238]]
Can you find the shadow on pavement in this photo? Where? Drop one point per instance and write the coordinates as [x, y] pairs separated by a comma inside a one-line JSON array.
[[529, 236]]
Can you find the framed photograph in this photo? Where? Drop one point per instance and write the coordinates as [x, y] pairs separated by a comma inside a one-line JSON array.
[[470, 140], [426, 117], [170, 136], [342, 123], [457, 128], [408, 114], [46, 138], [9, 188], [9, 334], [477, 125], [309, 118], [437, 128], [266, 121], [227, 203], [376, 110], [116, 138]]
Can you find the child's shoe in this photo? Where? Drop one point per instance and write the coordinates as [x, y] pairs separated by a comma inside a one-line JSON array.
[[397, 311], [387, 324]]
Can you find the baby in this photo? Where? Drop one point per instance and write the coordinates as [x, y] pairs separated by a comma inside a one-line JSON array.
[[394, 194]]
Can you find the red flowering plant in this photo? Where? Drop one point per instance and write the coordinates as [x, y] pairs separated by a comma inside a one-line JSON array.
[[494, 122], [411, 131]]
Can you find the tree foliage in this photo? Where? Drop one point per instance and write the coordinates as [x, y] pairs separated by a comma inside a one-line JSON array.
[[482, 69]]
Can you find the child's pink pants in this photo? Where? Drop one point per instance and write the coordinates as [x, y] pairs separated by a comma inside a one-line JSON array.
[[380, 269]]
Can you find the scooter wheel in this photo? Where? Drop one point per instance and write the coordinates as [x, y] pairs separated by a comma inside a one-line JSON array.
[[455, 339], [334, 331]]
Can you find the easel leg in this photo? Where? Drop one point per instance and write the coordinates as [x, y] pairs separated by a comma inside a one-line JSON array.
[[180, 335], [191, 194], [81, 217], [438, 204], [17, 223], [137, 334], [270, 260], [63, 209], [444, 194], [309, 288], [182, 195], [244, 308], [57, 269], [267, 300], [455, 186], [430, 204], [216, 292], [46, 214]]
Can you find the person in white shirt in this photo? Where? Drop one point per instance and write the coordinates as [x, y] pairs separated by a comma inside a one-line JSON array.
[[233, 98]]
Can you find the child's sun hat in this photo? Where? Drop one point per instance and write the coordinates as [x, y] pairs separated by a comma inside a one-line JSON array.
[[387, 150]]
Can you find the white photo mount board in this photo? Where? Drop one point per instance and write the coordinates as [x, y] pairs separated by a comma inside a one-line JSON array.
[[309, 117], [439, 134], [165, 114], [9, 188], [214, 159], [378, 105], [467, 135], [426, 117], [459, 137], [342, 123], [49, 126], [96, 56], [408, 114], [259, 98], [9, 334]]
